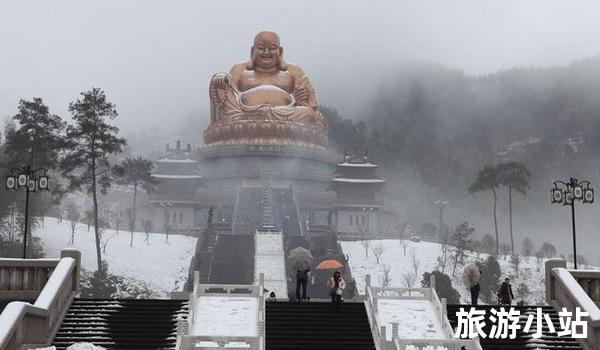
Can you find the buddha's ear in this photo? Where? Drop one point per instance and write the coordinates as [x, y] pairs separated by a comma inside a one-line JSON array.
[[282, 65], [250, 64]]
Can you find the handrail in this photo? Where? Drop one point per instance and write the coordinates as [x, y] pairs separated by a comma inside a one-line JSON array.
[[564, 291], [186, 341], [42, 319]]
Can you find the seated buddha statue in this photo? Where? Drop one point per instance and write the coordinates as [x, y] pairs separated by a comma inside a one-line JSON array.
[[265, 88]]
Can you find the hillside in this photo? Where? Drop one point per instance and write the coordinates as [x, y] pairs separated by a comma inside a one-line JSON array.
[[162, 267], [531, 271]]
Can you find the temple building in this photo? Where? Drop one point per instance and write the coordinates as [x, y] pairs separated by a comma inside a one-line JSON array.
[[357, 187], [272, 125]]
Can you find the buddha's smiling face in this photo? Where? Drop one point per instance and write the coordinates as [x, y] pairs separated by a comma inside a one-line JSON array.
[[266, 52]]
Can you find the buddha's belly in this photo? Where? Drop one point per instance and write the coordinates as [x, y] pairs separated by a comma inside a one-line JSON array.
[[265, 95]]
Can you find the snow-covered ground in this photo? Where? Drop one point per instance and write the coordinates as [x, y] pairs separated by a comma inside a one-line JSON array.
[[163, 267], [416, 319], [531, 272], [270, 260], [225, 316]]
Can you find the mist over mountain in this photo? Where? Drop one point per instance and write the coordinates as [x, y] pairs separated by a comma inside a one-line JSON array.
[[431, 128]]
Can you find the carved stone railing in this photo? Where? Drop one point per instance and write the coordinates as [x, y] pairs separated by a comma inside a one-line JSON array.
[[187, 341], [380, 332], [449, 344], [564, 290], [23, 325]]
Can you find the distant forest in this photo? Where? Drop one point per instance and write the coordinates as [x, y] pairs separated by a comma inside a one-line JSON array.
[[443, 125]]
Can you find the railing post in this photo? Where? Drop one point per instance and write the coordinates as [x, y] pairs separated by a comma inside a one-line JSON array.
[[550, 284], [432, 281], [367, 281], [382, 338], [76, 255]]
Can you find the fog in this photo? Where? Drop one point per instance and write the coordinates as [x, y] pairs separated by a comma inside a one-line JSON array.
[[155, 58]]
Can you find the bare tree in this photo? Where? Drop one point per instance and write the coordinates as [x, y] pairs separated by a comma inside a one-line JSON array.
[[409, 279], [505, 248], [147, 228], [378, 251], [385, 278], [366, 243], [73, 215], [515, 261], [442, 260], [414, 262], [404, 243]]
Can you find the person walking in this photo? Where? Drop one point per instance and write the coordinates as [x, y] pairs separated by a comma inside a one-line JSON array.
[[505, 295], [301, 281], [336, 287]]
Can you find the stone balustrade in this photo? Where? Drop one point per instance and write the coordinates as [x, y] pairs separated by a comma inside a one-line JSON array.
[[572, 289], [53, 283]]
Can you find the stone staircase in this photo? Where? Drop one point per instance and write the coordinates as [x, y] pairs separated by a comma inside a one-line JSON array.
[[122, 323], [317, 325], [548, 341]]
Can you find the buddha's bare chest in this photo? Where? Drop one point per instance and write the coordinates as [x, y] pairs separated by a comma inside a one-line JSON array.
[[251, 79]]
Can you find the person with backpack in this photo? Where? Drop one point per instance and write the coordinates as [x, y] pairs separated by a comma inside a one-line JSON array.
[[336, 285]]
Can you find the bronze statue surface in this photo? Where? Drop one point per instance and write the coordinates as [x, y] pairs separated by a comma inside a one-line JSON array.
[[265, 101]]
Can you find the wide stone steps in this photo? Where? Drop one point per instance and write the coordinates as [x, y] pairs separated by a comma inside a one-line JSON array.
[[548, 341], [317, 325], [122, 323]]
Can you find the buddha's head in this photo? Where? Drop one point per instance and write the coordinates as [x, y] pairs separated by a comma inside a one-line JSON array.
[[266, 54]]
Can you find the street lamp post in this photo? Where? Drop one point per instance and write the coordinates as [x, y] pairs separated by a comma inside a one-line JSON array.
[[566, 193], [32, 180], [167, 208], [441, 204]]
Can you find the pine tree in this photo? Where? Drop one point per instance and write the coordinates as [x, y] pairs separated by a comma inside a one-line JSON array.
[[136, 172], [90, 141], [490, 278], [34, 138], [38, 138], [487, 179], [515, 176]]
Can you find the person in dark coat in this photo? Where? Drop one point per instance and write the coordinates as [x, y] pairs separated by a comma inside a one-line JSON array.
[[301, 281], [505, 295], [475, 294]]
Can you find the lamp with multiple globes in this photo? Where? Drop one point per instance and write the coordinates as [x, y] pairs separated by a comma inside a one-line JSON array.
[[567, 193], [31, 180]]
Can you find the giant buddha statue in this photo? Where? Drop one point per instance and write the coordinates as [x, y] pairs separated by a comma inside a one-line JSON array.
[[265, 101]]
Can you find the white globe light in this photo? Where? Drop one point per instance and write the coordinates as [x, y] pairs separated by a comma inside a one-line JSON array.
[[557, 196], [589, 196], [32, 185], [577, 192], [22, 180], [10, 183], [43, 183]]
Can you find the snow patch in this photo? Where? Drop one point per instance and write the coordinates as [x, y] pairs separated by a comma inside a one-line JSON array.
[[225, 316]]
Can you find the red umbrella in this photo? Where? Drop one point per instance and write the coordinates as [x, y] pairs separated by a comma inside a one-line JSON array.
[[329, 265]]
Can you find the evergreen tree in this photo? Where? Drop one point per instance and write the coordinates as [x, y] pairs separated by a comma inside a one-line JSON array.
[[38, 138], [515, 176], [90, 142], [34, 138], [443, 286], [461, 241], [136, 172], [488, 244], [490, 278], [487, 179]]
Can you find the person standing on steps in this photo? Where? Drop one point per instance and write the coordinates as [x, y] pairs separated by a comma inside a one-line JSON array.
[[475, 293], [301, 280], [505, 295], [336, 287]]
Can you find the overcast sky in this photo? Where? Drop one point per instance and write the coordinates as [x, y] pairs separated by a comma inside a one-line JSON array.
[[155, 58]]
